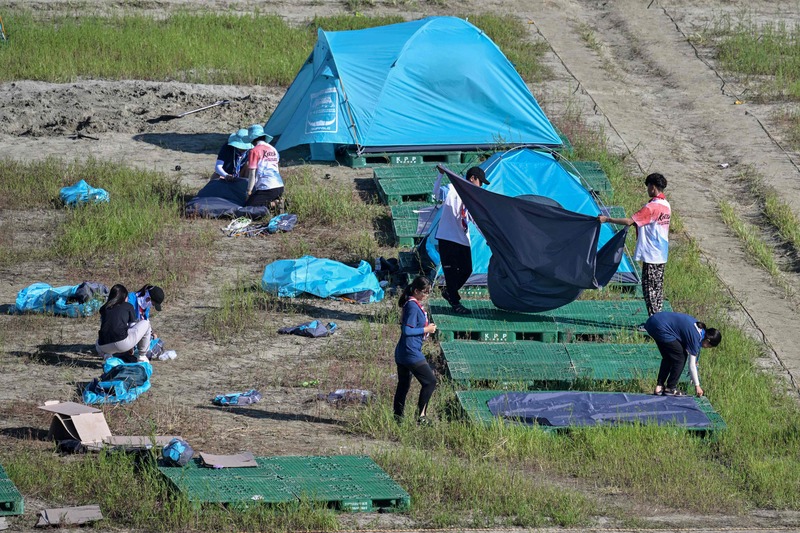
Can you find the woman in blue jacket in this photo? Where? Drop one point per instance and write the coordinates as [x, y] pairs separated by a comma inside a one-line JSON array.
[[414, 329], [679, 338]]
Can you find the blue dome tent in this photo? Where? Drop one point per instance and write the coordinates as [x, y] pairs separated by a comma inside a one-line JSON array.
[[437, 83]]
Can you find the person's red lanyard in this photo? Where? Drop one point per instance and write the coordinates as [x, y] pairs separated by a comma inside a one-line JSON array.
[[412, 299]]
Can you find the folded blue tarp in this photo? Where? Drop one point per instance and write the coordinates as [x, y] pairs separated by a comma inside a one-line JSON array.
[[120, 383], [82, 193], [221, 198], [562, 409], [70, 300], [321, 277]]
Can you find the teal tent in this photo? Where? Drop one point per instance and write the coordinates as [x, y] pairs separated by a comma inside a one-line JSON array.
[[437, 83]]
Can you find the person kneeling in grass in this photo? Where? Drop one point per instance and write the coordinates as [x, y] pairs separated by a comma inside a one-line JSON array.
[[679, 337], [119, 331], [414, 329]]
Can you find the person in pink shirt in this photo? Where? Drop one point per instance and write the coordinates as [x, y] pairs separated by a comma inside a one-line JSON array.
[[652, 244], [265, 185]]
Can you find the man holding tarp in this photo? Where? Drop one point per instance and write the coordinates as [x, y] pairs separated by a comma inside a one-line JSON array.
[[543, 256], [453, 238]]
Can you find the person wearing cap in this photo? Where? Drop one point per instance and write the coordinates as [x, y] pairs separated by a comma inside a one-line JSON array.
[[120, 330], [264, 182], [146, 297], [454, 243], [232, 157]]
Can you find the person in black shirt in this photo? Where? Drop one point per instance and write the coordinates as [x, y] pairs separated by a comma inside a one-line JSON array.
[[232, 158], [119, 331]]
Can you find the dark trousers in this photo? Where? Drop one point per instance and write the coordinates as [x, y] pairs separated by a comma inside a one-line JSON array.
[[457, 267], [673, 361], [259, 198], [424, 374], [653, 287]]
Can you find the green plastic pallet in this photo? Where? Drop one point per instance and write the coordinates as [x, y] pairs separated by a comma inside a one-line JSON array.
[[592, 175], [398, 191], [574, 321], [474, 404], [409, 209], [407, 172], [518, 362], [353, 159], [349, 483], [531, 362], [405, 231], [11, 502]]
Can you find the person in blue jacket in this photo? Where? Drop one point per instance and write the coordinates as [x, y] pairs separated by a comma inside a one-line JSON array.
[[414, 329], [679, 338]]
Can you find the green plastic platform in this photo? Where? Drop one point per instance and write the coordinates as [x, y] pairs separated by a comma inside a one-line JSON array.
[[353, 159], [579, 320], [348, 483], [474, 404], [409, 209], [405, 232], [398, 191], [595, 178], [406, 172], [11, 502], [531, 362]]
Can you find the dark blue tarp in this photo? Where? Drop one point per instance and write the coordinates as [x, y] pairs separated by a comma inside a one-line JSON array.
[[221, 198], [562, 409], [543, 256], [120, 382]]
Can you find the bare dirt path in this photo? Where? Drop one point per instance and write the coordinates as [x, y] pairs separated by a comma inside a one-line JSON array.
[[667, 107]]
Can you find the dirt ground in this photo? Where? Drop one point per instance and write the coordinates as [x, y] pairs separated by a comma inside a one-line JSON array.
[[659, 99]]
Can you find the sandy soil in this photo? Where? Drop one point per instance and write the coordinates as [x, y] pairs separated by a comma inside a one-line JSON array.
[[659, 99]]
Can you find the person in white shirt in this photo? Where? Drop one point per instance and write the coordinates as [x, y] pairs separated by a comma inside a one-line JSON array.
[[454, 243]]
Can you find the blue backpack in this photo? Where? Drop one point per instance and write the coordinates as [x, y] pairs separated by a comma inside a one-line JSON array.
[[177, 453]]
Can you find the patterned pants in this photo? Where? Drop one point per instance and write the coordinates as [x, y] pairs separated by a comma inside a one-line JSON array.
[[653, 287]]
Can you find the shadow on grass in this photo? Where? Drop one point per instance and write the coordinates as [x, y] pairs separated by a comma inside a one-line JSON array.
[[193, 143], [280, 417], [80, 355], [25, 433]]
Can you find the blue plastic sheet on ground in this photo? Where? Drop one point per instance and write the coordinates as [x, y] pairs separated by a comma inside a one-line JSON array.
[[69, 300], [321, 277], [120, 382], [563, 409], [315, 329], [82, 193], [237, 398]]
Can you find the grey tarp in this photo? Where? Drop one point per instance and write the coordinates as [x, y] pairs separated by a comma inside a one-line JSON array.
[[221, 198], [543, 256], [562, 409]]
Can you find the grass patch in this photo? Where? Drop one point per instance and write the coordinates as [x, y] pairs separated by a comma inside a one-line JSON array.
[[111, 479], [768, 54], [751, 238], [136, 234], [776, 211], [256, 49]]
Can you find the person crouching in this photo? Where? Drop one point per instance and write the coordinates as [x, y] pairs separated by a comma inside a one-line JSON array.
[[119, 331]]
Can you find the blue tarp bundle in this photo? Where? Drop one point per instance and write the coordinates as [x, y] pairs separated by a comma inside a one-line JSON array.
[[120, 383], [70, 300], [314, 329], [82, 193], [321, 277], [221, 198], [392, 88], [562, 409]]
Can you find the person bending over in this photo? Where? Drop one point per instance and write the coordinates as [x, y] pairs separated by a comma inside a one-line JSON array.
[[679, 337]]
